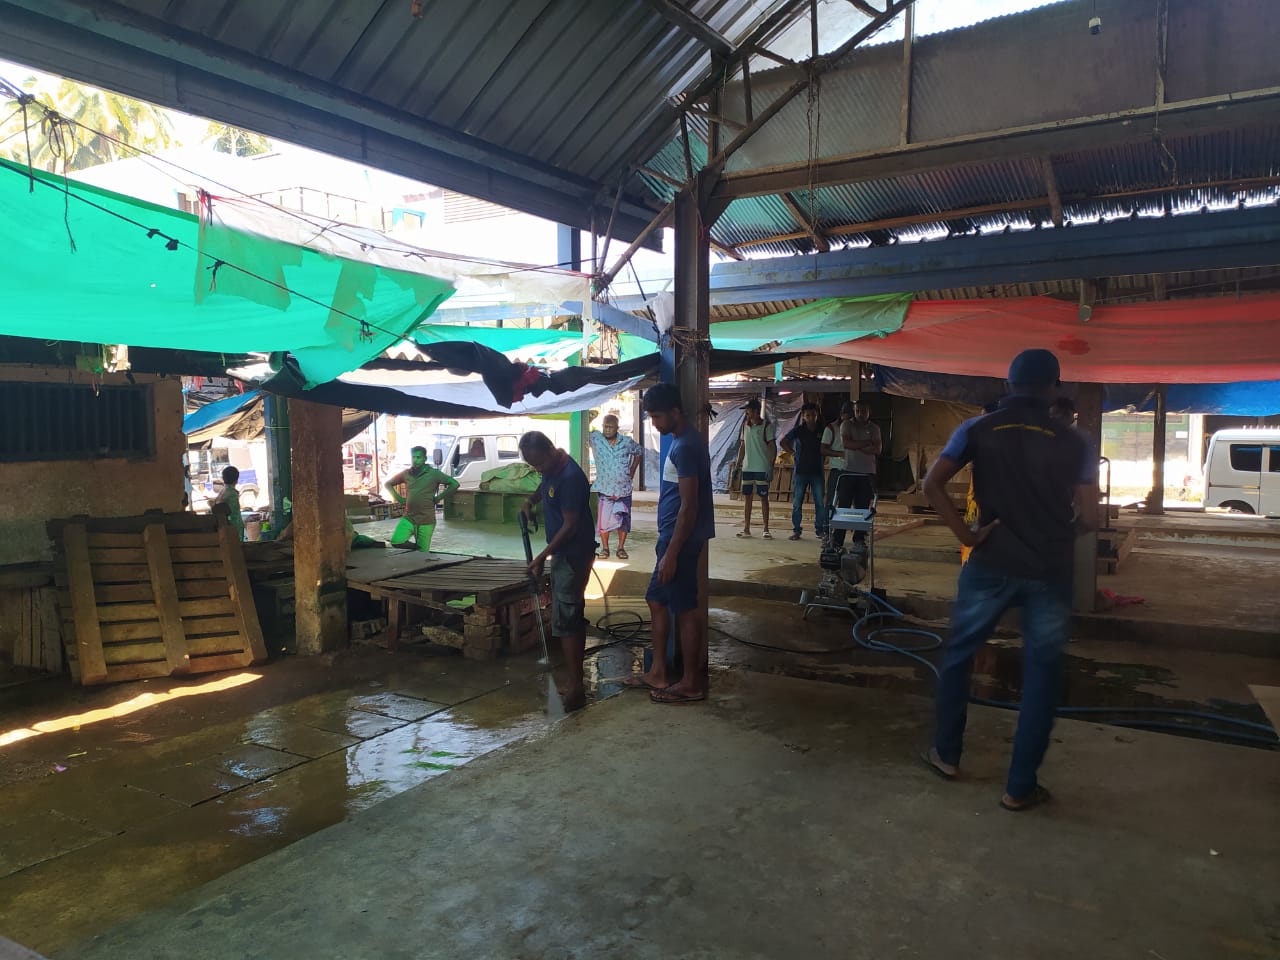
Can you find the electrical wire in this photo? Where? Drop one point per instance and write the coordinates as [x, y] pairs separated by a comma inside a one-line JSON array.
[[153, 160]]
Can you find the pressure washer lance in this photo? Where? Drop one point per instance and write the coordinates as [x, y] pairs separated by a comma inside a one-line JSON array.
[[535, 588]]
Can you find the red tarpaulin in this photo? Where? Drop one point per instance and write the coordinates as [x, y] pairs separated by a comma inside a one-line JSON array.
[[1210, 340]]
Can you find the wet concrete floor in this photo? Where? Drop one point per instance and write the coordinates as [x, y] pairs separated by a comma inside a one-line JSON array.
[[784, 818], [119, 799]]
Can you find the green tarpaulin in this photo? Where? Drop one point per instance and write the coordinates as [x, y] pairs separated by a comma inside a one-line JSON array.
[[85, 264], [812, 327], [823, 323]]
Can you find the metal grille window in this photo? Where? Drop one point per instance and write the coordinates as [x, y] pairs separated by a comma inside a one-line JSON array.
[[64, 421]]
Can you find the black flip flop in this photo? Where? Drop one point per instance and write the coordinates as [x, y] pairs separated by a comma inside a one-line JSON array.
[[1038, 796]]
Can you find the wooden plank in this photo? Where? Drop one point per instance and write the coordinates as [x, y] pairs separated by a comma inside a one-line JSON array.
[[208, 538], [142, 651], [109, 541], [50, 630], [221, 661], [201, 626], [23, 576], [142, 592], [166, 602], [84, 604], [138, 671], [206, 607], [124, 612], [135, 630], [184, 522], [111, 556], [107, 556], [120, 572], [199, 571], [241, 592]]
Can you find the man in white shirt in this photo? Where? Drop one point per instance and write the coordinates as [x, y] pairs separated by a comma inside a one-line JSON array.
[[833, 450], [862, 444], [756, 453]]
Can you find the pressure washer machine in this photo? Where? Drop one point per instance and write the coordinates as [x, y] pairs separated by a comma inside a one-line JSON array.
[[846, 566]]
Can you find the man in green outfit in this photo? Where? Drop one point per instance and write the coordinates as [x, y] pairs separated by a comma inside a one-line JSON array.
[[421, 484]]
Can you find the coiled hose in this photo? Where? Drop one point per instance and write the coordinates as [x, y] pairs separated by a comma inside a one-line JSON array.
[[627, 626]]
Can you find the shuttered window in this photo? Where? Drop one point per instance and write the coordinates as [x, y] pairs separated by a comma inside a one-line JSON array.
[[64, 421]]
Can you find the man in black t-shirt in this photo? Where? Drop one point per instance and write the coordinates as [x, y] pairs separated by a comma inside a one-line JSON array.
[[565, 494], [1035, 481], [804, 443]]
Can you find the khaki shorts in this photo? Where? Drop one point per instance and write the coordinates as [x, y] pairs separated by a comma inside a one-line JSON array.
[[568, 589]]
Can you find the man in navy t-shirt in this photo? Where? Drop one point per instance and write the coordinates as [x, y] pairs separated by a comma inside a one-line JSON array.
[[565, 495], [1035, 483], [686, 521]]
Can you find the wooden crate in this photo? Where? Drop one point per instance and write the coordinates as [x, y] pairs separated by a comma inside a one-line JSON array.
[[153, 596], [1113, 547], [30, 627]]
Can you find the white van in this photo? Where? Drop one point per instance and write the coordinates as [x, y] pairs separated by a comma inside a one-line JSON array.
[[468, 456], [1242, 470]]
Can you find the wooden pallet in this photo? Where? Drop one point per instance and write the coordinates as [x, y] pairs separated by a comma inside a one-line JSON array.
[[1113, 547], [153, 596]]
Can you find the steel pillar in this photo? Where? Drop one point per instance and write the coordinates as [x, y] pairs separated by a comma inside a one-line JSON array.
[[1155, 499], [275, 411], [1089, 421]]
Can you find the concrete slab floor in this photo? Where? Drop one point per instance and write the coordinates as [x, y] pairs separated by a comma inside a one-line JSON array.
[[784, 818]]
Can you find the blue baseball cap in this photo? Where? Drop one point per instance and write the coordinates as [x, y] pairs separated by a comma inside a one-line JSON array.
[[1035, 368]]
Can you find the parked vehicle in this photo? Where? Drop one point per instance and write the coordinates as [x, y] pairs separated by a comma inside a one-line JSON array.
[[466, 457], [1242, 470]]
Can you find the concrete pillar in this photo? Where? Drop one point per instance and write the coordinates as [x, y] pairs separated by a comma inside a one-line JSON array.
[[1089, 422], [1155, 499], [319, 531]]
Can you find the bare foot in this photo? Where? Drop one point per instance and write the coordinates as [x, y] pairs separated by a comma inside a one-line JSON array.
[[574, 700]]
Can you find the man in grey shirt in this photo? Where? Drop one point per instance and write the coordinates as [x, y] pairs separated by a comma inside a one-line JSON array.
[[861, 440]]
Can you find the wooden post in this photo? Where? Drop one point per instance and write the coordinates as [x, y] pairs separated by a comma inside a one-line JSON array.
[[1155, 499], [692, 336], [84, 603], [165, 589], [1089, 422], [319, 531]]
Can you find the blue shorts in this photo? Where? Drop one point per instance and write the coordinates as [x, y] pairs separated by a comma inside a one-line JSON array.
[[755, 484], [681, 594]]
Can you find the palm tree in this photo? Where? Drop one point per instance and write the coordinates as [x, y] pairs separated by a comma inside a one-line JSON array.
[[72, 126], [235, 141]]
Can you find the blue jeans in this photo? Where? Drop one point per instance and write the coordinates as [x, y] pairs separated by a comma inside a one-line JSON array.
[[803, 482], [984, 595]]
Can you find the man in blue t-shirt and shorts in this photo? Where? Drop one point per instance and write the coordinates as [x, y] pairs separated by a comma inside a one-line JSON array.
[[565, 495], [1035, 483], [686, 521]]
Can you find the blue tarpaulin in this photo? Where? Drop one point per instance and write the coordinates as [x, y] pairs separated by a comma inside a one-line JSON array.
[[1257, 398], [213, 413]]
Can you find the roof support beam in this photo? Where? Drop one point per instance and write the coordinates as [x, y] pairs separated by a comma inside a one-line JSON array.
[[810, 226], [694, 26], [817, 67], [1209, 241], [1141, 124]]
